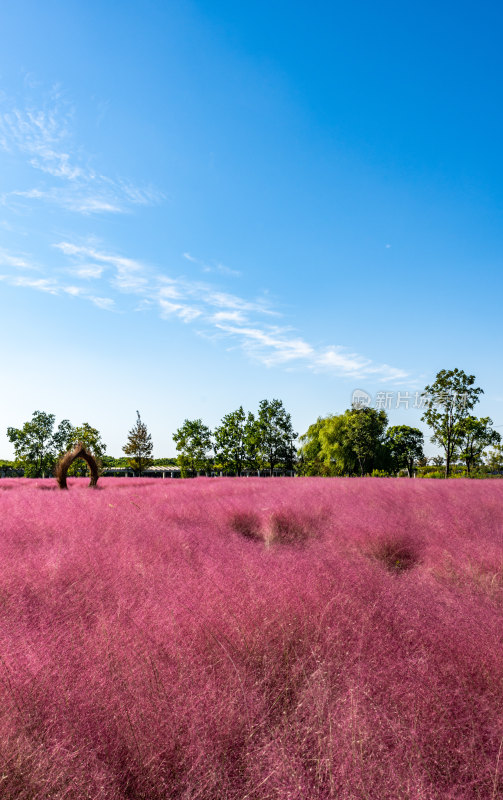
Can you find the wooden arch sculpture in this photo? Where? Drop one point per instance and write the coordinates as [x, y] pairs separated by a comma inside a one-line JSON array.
[[79, 451]]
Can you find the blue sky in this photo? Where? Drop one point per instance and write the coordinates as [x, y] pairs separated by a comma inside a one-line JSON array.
[[203, 204]]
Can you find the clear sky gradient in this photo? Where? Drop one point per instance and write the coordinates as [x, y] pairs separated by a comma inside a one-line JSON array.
[[204, 204]]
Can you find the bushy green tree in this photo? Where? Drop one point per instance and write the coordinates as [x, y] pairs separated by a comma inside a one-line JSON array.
[[63, 437], [312, 457], [336, 449], [366, 437], [448, 401], [36, 444], [274, 435], [406, 446], [352, 443], [193, 442], [230, 442], [475, 435], [254, 459], [8, 468], [139, 446], [494, 459]]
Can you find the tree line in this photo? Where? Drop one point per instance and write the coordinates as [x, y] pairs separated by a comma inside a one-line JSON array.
[[356, 442], [241, 443], [359, 442]]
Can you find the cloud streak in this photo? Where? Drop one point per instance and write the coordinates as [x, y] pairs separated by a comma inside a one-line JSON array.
[[251, 325], [215, 267], [44, 138], [51, 285]]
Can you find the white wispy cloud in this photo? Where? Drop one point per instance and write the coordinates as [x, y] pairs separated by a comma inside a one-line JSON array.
[[44, 136], [41, 135], [241, 320], [186, 312], [79, 200], [15, 260], [41, 284], [128, 274], [231, 302], [337, 358], [90, 271], [56, 287], [73, 290], [353, 364], [106, 303], [213, 267], [275, 346], [228, 316], [271, 346], [244, 323]]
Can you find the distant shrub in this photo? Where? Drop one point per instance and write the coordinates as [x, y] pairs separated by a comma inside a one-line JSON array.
[[247, 524], [282, 527], [395, 553], [286, 527]]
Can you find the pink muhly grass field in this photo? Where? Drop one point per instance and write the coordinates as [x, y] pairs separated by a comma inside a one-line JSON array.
[[235, 639]]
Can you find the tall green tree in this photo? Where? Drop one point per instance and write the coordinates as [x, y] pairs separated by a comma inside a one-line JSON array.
[[365, 432], [336, 445], [275, 435], [448, 401], [193, 442], [254, 459], [406, 446], [475, 435], [139, 446], [230, 442], [36, 444], [63, 437], [312, 455]]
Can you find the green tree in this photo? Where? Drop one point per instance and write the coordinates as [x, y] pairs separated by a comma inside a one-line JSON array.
[[63, 437], [365, 431], [91, 439], [494, 459], [336, 445], [352, 443], [139, 446], [448, 401], [230, 442], [35, 446], [253, 454], [274, 435], [313, 458], [406, 446], [8, 468], [193, 442], [475, 435]]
